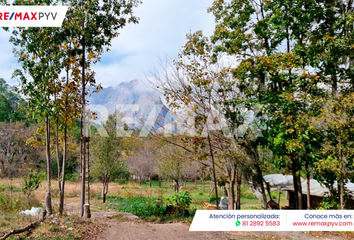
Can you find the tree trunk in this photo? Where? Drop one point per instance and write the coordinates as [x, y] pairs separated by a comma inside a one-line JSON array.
[[175, 185], [261, 182], [61, 196], [334, 84], [48, 203], [48, 199], [297, 182], [57, 151], [238, 196], [299, 194], [224, 191], [231, 190], [214, 174], [83, 119], [308, 187], [149, 181], [87, 211], [104, 191], [159, 182], [104, 197], [61, 202], [341, 180]]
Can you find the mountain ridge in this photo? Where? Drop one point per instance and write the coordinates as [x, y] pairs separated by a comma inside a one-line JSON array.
[[141, 105]]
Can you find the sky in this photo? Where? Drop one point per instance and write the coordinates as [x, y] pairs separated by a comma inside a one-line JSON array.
[[137, 51]]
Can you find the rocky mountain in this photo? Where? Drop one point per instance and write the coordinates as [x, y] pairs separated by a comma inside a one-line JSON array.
[[142, 106]]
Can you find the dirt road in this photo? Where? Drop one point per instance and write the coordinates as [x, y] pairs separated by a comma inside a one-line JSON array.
[[129, 227]]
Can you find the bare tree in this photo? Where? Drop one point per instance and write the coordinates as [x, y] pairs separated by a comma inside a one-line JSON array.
[[142, 162]]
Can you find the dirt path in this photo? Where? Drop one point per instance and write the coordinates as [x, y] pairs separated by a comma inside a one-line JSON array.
[[129, 226]]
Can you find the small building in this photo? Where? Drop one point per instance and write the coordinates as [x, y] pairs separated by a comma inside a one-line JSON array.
[[279, 182]]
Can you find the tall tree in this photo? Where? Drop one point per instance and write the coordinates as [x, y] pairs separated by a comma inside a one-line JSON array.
[[38, 51], [106, 150], [93, 24]]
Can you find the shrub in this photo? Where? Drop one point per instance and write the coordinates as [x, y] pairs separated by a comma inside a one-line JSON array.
[[30, 184], [332, 201], [140, 206], [73, 177], [181, 201], [121, 181], [6, 187], [15, 202], [42, 176]]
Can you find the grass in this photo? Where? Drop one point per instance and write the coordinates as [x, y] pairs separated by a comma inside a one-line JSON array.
[[140, 199], [131, 197], [135, 190]]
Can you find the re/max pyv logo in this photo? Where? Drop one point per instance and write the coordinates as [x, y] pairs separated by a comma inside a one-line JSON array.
[[31, 16]]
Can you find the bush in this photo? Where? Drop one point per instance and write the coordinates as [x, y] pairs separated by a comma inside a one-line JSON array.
[[141, 207], [333, 202], [73, 177], [212, 199], [15, 202], [6, 187], [30, 184], [181, 201], [121, 181], [153, 208], [8, 203], [42, 176]]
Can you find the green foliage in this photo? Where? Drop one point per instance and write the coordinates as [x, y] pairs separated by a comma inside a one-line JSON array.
[[6, 187], [181, 201], [146, 207], [15, 202], [10, 104], [30, 184], [212, 199], [139, 206], [331, 201], [108, 164], [5, 109], [73, 177], [121, 181], [11, 204], [42, 176]]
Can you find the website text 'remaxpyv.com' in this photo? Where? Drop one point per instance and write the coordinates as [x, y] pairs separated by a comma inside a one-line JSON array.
[[322, 224]]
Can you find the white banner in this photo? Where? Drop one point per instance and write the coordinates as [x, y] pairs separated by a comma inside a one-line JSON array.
[[273, 220], [32, 16]]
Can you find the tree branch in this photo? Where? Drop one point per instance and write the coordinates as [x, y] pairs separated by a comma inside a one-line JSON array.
[[26, 228]]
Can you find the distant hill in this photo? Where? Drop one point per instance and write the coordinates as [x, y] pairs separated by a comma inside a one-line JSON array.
[[141, 105]]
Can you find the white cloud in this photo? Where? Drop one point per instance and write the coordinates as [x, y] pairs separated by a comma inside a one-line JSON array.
[[8, 63], [161, 31]]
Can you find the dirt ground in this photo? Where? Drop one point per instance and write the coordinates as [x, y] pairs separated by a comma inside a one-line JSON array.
[[129, 226]]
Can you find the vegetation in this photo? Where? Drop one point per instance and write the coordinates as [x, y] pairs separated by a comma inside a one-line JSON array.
[[270, 91], [106, 151], [289, 94], [30, 184]]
